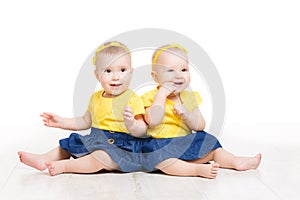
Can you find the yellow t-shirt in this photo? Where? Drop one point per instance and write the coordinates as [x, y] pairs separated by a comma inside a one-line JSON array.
[[106, 113], [172, 125]]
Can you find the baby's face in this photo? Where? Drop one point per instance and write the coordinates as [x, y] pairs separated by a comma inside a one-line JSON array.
[[115, 76], [173, 69]]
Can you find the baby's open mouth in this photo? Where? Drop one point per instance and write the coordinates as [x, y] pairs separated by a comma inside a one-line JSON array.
[[115, 85], [178, 83]]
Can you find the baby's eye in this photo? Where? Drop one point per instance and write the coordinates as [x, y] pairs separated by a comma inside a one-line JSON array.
[[123, 69], [184, 70], [170, 70], [107, 71]]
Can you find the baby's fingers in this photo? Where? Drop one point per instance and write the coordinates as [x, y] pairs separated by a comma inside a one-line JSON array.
[[178, 109], [169, 86], [127, 114], [46, 122], [127, 108], [47, 115]]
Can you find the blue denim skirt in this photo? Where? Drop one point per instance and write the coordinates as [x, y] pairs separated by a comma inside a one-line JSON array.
[[190, 147], [124, 149], [140, 154]]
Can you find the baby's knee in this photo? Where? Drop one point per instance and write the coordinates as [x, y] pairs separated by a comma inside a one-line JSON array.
[[166, 163], [105, 160]]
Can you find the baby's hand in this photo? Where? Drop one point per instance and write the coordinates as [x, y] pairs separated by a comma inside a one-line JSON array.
[[128, 116], [51, 120], [181, 110], [167, 88]]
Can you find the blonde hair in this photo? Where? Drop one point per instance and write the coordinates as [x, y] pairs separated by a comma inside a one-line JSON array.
[[111, 48], [171, 48]]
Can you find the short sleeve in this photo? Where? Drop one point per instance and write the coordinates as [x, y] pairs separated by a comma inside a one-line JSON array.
[[198, 98], [148, 98], [91, 104], [136, 103], [190, 100]]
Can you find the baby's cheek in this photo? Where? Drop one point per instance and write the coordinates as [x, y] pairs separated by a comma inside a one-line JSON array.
[[187, 78], [127, 77]]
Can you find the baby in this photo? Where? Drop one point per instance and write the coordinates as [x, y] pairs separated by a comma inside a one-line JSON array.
[[115, 116], [172, 114]]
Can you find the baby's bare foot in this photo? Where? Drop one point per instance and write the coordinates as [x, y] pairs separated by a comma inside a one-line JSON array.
[[208, 170], [33, 160], [56, 167], [246, 163]]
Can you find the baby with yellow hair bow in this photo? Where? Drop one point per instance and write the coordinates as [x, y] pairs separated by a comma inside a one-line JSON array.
[[114, 115], [179, 144]]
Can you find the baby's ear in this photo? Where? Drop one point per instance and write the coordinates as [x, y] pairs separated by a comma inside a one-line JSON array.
[[96, 74], [154, 76]]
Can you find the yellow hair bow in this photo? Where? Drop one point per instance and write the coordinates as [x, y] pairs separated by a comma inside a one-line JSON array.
[[110, 44], [165, 48]]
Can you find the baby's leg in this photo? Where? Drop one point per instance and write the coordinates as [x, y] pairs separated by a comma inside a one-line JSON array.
[[85, 164], [228, 160], [177, 167], [38, 161]]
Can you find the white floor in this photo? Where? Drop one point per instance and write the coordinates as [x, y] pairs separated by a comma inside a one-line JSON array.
[[278, 176]]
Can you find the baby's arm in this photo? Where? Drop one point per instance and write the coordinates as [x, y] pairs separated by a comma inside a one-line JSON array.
[[77, 123], [134, 124], [156, 112], [194, 119]]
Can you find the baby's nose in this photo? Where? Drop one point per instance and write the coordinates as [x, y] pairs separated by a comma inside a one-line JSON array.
[[115, 76], [178, 75]]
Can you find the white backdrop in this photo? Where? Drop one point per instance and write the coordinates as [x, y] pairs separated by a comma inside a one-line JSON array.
[[255, 46]]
